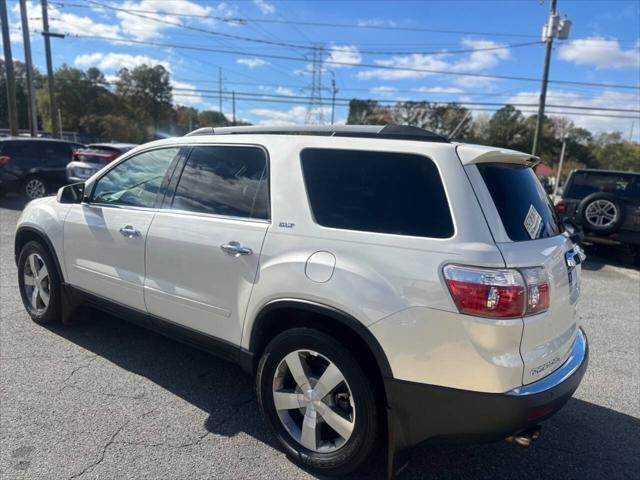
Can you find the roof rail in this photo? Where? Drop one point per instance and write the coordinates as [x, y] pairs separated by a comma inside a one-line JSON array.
[[395, 132]]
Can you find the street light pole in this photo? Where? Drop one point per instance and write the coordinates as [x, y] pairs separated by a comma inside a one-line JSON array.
[[55, 128], [564, 146]]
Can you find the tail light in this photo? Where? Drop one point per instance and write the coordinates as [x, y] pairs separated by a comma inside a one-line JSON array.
[[561, 207], [4, 160], [498, 293]]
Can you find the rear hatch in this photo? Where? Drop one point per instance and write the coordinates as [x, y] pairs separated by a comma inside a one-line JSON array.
[[528, 233]]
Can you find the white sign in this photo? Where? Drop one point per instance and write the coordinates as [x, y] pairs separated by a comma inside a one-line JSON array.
[[533, 223]]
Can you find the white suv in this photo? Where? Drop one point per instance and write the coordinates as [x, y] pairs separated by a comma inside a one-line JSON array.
[[382, 283]]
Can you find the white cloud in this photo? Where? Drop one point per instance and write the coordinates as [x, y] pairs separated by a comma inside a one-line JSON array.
[[345, 54], [439, 90], [285, 91], [294, 116], [265, 8], [376, 22], [63, 22], [600, 53], [606, 99], [116, 61], [144, 26], [252, 62], [477, 61], [187, 94], [383, 90]]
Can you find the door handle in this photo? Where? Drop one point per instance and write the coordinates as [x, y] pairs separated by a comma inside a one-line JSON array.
[[235, 249], [129, 232]]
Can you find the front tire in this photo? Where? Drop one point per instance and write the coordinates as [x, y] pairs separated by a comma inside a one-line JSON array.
[[318, 401], [39, 283]]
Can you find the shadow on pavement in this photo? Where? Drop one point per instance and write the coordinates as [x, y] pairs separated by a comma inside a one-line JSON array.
[[12, 202], [599, 256], [582, 441]]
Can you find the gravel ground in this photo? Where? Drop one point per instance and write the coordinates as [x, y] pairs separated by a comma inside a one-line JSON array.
[[107, 400]]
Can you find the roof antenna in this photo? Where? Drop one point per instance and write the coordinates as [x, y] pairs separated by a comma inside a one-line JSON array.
[[455, 130]]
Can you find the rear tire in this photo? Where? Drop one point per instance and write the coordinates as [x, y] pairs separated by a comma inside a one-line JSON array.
[[34, 187], [350, 404], [39, 283]]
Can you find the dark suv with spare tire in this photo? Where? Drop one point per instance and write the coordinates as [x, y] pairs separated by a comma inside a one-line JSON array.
[[606, 205], [34, 167]]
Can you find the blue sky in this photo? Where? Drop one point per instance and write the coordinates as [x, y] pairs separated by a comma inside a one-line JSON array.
[[604, 48]]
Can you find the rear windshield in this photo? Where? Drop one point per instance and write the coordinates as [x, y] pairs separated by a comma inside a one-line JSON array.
[[586, 183], [524, 207], [88, 158]]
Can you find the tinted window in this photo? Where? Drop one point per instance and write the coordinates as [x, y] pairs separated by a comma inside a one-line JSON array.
[[24, 149], [586, 183], [57, 153], [380, 192], [136, 181], [230, 181], [515, 189]]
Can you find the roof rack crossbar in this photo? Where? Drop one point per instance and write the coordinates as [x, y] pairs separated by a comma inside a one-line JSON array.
[[396, 132]]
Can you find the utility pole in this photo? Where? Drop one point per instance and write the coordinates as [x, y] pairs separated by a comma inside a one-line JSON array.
[[314, 108], [55, 127], [555, 27], [8, 64], [220, 88], [233, 100], [33, 114]]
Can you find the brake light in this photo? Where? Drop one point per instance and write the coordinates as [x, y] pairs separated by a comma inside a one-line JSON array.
[[486, 292], [561, 207], [4, 160], [537, 290], [498, 293]]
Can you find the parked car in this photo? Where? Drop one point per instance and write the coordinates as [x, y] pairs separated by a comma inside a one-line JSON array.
[[34, 167], [87, 162], [375, 280], [606, 205]]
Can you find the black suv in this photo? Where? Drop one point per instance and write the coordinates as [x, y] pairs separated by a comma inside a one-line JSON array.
[[606, 205], [34, 166]]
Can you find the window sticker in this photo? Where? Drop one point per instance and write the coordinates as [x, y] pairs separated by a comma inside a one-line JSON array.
[[533, 223]]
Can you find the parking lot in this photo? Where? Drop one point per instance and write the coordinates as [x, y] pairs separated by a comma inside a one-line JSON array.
[[105, 399]]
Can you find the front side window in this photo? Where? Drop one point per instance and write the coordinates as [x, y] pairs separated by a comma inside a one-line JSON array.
[[396, 193], [136, 181], [229, 181]]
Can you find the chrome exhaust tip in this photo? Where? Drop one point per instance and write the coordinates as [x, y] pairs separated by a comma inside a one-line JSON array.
[[526, 437]]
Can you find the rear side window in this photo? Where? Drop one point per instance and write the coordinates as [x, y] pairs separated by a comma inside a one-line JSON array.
[[519, 196], [229, 181], [396, 193], [24, 149], [586, 183]]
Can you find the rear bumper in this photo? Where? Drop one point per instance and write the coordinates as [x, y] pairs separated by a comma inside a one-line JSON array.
[[419, 412]]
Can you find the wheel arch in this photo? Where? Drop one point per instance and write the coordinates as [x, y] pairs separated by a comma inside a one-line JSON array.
[[280, 315], [27, 234]]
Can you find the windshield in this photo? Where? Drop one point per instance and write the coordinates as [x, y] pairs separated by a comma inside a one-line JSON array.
[[524, 207]]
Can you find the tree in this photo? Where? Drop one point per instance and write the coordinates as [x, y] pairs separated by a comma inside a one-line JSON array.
[[146, 92], [212, 118], [367, 112], [22, 100], [110, 127]]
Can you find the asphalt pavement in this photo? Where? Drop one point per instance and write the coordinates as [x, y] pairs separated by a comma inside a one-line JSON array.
[[104, 399]]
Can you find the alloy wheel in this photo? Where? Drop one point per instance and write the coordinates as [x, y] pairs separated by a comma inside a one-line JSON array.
[[35, 188], [601, 213], [313, 401], [37, 286]]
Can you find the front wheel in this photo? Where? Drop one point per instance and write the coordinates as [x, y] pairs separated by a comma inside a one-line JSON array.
[[39, 283], [318, 401]]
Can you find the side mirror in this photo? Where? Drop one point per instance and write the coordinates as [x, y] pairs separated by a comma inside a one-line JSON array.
[[73, 193]]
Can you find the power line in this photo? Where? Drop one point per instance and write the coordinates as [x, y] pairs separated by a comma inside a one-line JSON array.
[[132, 12], [358, 65], [345, 101], [364, 26]]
